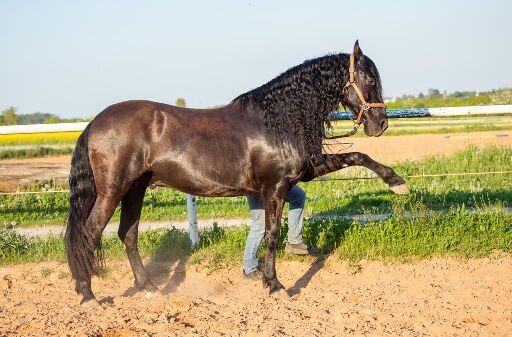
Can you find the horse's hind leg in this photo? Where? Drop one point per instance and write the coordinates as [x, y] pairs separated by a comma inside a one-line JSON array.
[[100, 214], [131, 207]]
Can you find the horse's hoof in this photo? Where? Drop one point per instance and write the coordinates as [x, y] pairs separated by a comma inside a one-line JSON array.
[[400, 189], [91, 303], [152, 294], [281, 293]]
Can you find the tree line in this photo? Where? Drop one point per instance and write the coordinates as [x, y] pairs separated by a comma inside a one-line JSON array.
[[431, 99], [434, 98], [10, 116]]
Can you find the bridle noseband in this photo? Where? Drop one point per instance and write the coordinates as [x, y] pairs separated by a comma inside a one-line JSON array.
[[364, 107]]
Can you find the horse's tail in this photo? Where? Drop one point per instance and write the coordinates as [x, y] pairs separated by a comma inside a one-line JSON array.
[[80, 245]]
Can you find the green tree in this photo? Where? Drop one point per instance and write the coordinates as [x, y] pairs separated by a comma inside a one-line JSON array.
[[433, 93], [51, 120], [9, 116], [181, 102]]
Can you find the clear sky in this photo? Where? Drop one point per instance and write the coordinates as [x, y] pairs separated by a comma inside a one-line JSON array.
[[74, 58]]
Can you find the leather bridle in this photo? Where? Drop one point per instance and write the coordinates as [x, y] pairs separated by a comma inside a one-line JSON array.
[[352, 83], [364, 107]]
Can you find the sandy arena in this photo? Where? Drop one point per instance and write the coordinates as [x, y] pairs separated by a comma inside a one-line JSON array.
[[436, 297]]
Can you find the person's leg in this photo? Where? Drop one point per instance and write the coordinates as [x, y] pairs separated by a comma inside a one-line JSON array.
[[193, 230], [296, 198], [256, 232]]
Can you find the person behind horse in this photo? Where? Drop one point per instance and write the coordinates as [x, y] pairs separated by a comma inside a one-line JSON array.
[[296, 198]]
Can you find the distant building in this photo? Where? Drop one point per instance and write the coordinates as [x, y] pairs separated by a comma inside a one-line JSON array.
[[390, 99]]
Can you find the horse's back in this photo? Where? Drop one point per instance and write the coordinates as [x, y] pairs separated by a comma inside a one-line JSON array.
[[200, 151]]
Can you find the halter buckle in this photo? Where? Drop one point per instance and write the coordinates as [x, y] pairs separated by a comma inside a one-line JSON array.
[[365, 107]]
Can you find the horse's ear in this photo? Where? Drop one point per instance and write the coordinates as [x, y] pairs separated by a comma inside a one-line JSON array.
[[358, 53]]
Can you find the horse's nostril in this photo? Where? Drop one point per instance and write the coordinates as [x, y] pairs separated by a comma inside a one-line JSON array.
[[384, 125]]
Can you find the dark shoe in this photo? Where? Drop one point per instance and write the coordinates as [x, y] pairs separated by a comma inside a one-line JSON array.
[[297, 249], [256, 275]]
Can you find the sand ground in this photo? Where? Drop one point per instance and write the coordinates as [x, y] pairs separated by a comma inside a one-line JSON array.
[[435, 297]]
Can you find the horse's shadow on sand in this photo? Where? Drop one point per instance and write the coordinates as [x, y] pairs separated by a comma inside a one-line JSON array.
[[304, 280]]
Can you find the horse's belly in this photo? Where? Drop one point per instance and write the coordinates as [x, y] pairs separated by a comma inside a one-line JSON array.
[[202, 181]]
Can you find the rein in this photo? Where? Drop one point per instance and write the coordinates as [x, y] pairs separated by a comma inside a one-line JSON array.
[[364, 107]]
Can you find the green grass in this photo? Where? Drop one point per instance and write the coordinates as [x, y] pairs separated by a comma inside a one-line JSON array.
[[457, 232], [35, 151], [163, 244], [325, 197], [433, 102], [17, 248]]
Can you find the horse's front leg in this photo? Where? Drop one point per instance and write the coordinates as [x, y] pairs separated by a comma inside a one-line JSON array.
[[274, 203], [335, 162]]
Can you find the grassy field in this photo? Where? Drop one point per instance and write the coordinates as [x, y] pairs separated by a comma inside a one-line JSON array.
[[455, 215], [462, 216], [324, 197], [455, 233], [33, 145]]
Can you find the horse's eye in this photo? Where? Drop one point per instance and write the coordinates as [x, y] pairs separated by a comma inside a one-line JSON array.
[[370, 81]]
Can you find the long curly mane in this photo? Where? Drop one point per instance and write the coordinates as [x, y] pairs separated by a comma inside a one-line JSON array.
[[294, 105]]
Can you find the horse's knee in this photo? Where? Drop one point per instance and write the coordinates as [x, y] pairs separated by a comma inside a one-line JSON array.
[[360, 158]]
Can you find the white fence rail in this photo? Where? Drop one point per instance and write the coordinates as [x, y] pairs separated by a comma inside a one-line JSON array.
[[392, 113], [39, 128], [470, 110], [439, 112]]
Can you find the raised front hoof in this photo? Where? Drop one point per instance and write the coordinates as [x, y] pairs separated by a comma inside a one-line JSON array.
[[90, 303], [400, 189]]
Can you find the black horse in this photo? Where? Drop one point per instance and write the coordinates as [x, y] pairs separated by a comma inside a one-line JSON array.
[[264, 141]]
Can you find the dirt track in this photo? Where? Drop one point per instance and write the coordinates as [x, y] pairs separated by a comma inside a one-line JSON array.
[[437, 297]]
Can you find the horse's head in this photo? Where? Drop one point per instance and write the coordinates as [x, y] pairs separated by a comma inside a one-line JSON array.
[[362, 94]]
